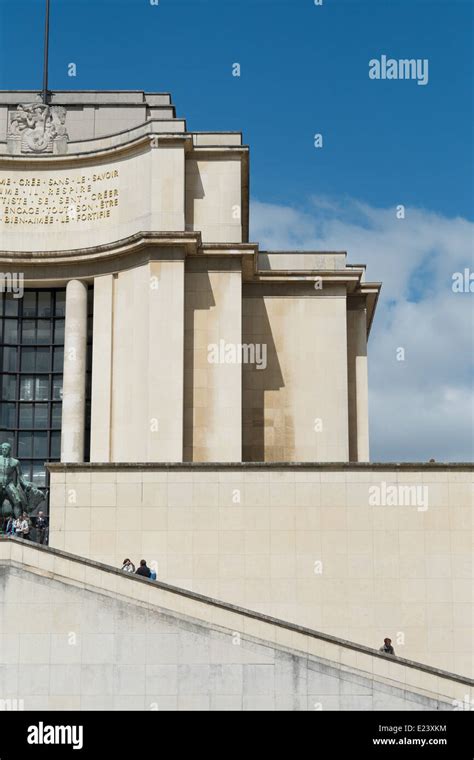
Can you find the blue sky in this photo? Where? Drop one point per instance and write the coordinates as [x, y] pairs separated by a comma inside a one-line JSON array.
[[304, 70]]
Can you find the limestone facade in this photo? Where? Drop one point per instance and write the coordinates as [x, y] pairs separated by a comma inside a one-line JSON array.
[[204, 348], [228, 417], [358, 551], [100, 640]]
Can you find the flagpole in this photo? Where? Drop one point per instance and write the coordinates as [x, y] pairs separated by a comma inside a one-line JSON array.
[[46, 54]]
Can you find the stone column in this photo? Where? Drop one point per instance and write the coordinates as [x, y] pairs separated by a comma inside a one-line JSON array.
[[358, 384], [74, 381], [212, 385], [102, 357]]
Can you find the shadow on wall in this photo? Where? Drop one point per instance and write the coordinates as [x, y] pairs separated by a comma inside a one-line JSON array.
[[198, 296], [267, 431], [194, 191]]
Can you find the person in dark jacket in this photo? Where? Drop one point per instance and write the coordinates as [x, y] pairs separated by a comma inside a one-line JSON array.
[[41, 525], [387, 647], [143, 569]]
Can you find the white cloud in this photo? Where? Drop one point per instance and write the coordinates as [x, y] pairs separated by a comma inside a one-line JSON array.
[[421, 408]]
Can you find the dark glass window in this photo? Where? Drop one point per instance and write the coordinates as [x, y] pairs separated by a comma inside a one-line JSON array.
[[11, 305], [58, 359], [26, 415], [10, 358], [29, 304], [60, 304], [59, 331], [43, 333], [56, 416], [44, 304], [11, 331], [7, 415], [28, 332], [31, 377], [8, 388]]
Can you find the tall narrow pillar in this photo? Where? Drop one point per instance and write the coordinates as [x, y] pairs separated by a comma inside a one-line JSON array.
[[358, 383], [102, 357], [74, 380]]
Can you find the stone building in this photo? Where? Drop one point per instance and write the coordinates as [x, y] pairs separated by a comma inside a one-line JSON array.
[[201, 402], [204, 349]]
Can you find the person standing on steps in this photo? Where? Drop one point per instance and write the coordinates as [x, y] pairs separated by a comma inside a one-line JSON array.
[[387, 647], [25, 527], [17, 527], [41, 525], [10, 526], [143, 570]]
